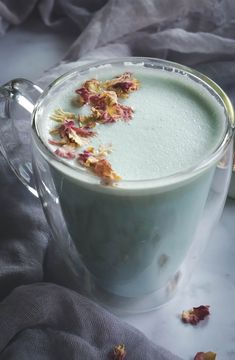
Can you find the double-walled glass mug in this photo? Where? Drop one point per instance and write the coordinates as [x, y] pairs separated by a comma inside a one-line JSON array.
[[137, 242]]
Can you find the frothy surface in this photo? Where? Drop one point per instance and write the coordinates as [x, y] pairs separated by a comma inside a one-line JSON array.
[[176, 123]]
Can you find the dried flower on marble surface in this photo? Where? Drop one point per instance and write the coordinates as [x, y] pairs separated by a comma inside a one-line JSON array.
[[96, 161], [205, 356], [196, 314], [123, 85], [118, 352]]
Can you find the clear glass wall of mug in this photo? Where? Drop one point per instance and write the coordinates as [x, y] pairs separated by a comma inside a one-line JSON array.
[[138, 242]]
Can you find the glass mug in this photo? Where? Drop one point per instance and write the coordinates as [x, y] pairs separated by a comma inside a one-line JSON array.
[[137, 243], [231, 190]]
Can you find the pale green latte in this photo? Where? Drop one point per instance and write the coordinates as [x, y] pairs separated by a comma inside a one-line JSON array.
[[176, 123]]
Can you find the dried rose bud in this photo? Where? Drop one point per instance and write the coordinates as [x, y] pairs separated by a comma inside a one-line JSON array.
[[196, 314], [119, 352], [205, 356]]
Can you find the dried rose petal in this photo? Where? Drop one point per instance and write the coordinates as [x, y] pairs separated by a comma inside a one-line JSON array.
[[103, 151], [111, 115], [105, 107], [95, 160], [60, 115], [106, 117], [90, 155], [75, 138], [103, 100], [123, 85], [83, 132], [196, 314], [205, 356], [93, 85], [72, 134], [87, 90], [126, 112], [109, 110], [57, 142], [84, 95], [103, 169], [65, 153], [83, 158], [88, 121], [119, 352], [65, 128]]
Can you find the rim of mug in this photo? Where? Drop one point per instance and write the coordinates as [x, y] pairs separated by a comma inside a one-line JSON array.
[[160, 64]]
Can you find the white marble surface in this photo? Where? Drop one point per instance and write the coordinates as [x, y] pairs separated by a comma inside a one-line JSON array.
[[213, 281]]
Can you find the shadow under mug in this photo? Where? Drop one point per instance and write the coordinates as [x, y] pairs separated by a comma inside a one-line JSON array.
[[137, 243]]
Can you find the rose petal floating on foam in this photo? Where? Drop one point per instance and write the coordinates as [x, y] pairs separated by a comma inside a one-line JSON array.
[[95, 160], [105, 105], [70, 134], [123, 85], [65, 153], [102, 97], [60, 115]]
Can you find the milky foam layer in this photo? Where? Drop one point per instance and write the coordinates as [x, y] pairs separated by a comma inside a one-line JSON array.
[[176, 123]]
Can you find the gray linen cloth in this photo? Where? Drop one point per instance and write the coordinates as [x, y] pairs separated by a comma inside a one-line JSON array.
[[41, 316]]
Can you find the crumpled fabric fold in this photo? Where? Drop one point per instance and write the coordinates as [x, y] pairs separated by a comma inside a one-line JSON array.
[[45, 318], [47, 321]]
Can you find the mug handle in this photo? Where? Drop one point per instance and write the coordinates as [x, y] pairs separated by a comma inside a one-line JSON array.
[[18, 94]]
